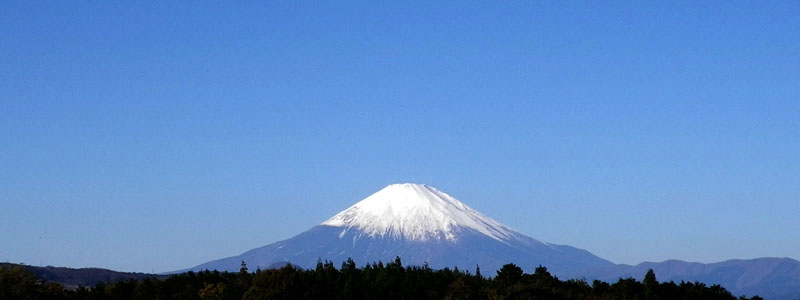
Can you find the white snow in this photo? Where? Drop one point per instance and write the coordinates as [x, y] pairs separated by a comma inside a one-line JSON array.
[[416, 212]]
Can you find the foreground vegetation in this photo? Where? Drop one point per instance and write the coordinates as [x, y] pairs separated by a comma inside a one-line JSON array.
[[374, 281]]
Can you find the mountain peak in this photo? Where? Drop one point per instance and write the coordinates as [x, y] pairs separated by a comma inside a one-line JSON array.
[[416, 212]]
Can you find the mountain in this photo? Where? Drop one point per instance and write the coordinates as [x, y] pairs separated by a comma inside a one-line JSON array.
[[72, 278], [770, 278], [421, 225]]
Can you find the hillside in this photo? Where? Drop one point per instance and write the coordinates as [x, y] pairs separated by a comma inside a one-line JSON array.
[[71, 278]]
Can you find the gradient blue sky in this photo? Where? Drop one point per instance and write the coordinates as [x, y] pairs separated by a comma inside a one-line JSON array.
[[156, 136]]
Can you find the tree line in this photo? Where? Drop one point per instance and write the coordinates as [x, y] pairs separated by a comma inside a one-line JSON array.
[[378, 280]]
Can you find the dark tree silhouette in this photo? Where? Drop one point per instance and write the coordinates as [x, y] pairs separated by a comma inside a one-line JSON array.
[[373, 281]]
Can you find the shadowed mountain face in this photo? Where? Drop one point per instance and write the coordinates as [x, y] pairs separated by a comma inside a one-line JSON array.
[[421, 225], [470, 250]]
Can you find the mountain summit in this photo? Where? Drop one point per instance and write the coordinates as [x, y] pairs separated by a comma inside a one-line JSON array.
[[421, 225], [416, 212]]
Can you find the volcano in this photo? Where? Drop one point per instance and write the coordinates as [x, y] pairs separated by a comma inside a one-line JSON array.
[[422, 226]]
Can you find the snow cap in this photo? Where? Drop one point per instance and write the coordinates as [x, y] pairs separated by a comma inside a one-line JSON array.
[[416, 212]]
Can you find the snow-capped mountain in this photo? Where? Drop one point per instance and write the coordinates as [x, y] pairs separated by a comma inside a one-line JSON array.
[[420, 224], [415, 212]]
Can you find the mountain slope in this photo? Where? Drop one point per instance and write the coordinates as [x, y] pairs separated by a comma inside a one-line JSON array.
[[415, 212], [421, 225]]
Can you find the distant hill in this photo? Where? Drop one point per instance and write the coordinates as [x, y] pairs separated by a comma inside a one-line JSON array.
[[771, 278], [71, 278]]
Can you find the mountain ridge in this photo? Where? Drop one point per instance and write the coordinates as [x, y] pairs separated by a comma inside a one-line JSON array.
[[769, 277], [74, 277]]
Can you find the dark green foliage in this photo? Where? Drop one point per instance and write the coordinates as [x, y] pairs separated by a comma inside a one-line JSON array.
[[391, 280], [650, 285], [18, 283]]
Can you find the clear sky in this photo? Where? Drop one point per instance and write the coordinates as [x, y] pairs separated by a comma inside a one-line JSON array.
[[155, 136]]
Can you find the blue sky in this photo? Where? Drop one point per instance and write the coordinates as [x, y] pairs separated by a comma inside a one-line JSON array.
[[156, 136]]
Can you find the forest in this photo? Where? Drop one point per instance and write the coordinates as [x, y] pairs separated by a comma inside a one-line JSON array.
[[378, 280]]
